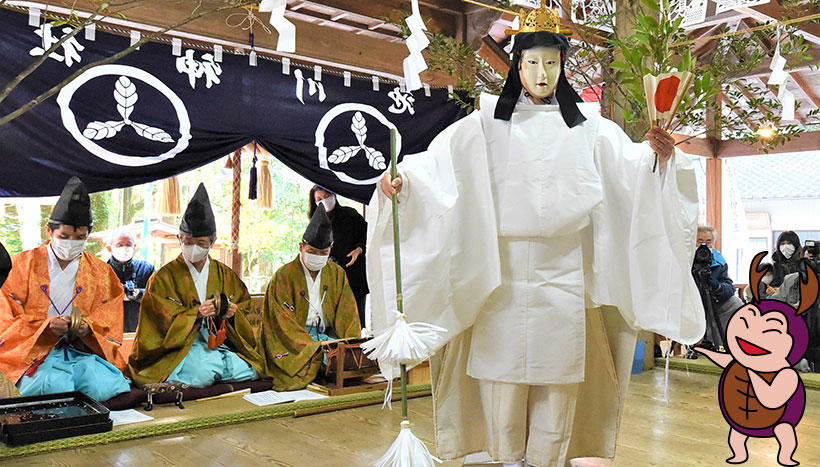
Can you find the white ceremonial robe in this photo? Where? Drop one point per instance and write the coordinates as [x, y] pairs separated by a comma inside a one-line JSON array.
[[509, 230]]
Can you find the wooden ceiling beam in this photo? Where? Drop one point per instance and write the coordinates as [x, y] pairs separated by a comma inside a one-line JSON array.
[[806, 88], [437, 20], [764, 70], [312, 41], [774, 11], [494, 55], [808, 141]]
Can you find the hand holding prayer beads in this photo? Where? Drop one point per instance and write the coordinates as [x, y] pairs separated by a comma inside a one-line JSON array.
[[207, 308], [59, 326]]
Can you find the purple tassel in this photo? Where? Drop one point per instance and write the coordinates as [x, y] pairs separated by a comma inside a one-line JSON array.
[[252, 184]]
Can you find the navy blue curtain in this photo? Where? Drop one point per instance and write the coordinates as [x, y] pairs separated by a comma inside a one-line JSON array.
[[152, 115]]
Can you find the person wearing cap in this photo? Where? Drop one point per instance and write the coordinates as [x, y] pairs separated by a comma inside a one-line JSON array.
[[307, 301], [537, 233], [349, 241], [192, 327], [61, 311], [133, 275]]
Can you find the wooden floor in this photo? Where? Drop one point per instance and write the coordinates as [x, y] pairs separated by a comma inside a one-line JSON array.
[[689, 431]]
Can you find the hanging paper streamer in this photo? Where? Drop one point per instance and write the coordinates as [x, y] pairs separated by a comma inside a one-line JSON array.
[[285, 29], [414, 64], [778, 66], [252, 182]]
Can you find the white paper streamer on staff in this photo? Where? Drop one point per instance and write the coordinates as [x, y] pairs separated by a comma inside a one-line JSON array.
[[285, 29], [402, 343], [417, 41]]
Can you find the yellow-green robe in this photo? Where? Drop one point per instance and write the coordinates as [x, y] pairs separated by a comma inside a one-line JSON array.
[[292, 358], [169, 321]]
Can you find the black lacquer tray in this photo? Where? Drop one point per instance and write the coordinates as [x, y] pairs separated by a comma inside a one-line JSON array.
[[32, 419]]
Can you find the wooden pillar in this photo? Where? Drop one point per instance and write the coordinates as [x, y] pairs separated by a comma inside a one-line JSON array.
[[714, 170], [236, 259]]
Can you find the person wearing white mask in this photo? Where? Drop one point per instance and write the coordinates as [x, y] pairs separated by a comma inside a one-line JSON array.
[[61, 310], [786, 259], [307, 301], [133, 275], [193, 327], [349, 242]]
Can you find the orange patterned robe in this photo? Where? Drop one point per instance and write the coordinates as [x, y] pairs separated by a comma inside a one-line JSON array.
[[24, 334]]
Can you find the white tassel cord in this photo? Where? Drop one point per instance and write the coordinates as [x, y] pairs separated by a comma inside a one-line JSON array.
[[407, 451]]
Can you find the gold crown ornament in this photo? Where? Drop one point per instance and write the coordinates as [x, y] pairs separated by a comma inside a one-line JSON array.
[[539, 19]]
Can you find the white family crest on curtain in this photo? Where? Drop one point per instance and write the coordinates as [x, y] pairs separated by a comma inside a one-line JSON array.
[[692, 11], [196, 69], [592, 13], [358, 127], [726, 5], [71, 48], [126, 96]]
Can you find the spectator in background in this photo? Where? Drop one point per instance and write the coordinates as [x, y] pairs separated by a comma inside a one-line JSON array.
[[786, 259], [721, 288], [133, 275], [349, 240], [789, 292], [762, 286]]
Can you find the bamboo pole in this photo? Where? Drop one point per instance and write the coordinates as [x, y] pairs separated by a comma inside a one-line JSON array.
[[397, 255]]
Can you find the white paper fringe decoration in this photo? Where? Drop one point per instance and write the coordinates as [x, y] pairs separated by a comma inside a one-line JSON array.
[[407, 451], [402, 343], [405, 343], [284, 28], [417, 41]]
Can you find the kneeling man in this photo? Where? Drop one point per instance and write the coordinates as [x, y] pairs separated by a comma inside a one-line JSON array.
[[307, 301], [61, 311], [181, 335]]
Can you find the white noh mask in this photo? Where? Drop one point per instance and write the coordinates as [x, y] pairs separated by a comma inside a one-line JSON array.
[[540, 69]]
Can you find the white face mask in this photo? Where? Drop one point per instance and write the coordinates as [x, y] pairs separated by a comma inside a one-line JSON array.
[[540, 69], [314, 262], [787, 250], [329, 202], [123, 254], [194, 253], [66, 249]]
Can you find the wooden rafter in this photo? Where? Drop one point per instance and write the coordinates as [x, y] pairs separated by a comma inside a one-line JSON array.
[[806, 88]]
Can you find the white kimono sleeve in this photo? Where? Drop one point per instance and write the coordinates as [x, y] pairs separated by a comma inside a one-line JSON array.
[[449, 241], [644, 235]]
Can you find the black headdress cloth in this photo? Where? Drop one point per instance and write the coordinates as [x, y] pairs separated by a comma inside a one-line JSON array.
[[198, 220], [318, 233], [74, 205], [566, 96]]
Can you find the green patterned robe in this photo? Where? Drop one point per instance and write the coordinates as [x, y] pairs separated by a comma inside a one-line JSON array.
[[292, 358], [169, 321]]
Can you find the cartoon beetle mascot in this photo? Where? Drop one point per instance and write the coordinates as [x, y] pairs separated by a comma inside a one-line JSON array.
[[760, 394]]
